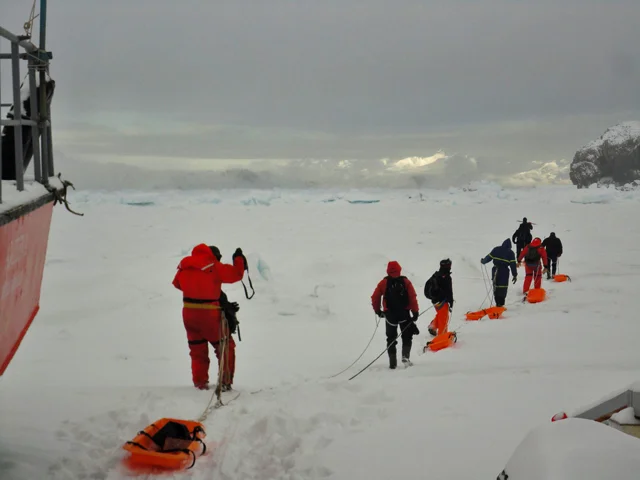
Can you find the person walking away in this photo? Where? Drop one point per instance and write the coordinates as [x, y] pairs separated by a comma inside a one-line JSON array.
[[399, 306], [553, 246], [522, 236], [532, 255], [200, 277], [439, 289], [503, 260]]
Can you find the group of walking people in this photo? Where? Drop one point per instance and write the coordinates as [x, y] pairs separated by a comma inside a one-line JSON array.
[[539, 258], [210, 318], [395, 298]]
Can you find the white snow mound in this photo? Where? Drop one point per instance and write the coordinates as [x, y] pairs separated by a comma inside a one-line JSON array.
[[575, 449]]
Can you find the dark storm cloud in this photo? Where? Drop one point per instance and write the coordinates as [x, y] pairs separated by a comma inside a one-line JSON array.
[[340, 78]]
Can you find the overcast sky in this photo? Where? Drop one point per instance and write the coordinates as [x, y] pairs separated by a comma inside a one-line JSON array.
[[510, 81]]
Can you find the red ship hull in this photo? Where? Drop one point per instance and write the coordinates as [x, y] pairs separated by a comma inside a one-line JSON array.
[[23, 249]]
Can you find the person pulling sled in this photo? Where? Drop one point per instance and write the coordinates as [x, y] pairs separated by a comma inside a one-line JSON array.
[[439, 289], [503, 260], [399, 306], [200, 277], [532, 255], [553, 246]]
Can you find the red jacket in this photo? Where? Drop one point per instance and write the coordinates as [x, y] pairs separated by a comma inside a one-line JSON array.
[[200, 275], [541, 251], [393, 270]]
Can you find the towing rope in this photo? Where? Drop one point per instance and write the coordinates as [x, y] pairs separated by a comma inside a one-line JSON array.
[[377, 320], [62, 197]]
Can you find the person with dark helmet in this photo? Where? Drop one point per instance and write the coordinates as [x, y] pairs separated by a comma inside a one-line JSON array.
[[439, 289], [522, 236], [553, 246]]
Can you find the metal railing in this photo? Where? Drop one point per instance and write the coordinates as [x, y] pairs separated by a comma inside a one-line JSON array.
[[37, 59]]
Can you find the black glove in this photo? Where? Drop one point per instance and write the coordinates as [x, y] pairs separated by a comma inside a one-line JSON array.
[[414, 329], [515, 279], [414, 316], [451, 306], [238, 253], [379, 313], [232, 307]]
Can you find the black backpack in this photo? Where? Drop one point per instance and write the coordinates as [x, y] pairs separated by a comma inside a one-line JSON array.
[[532, 256], [396, 295], [431, 288]]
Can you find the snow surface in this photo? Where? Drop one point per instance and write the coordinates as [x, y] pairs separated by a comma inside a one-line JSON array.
[[575, 449], [625, 417], [12, 198], [107, 353]]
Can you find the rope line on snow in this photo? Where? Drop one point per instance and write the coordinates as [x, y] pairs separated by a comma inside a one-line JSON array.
[[368, 344], [377, 320], [485, 277], [217, 392], [388, 347], [409, 324]]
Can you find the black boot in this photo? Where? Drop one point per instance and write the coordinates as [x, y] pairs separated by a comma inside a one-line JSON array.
[[393, 361], [406, 352]]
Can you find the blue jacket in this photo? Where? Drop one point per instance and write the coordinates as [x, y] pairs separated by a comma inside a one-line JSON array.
[[503, 260]]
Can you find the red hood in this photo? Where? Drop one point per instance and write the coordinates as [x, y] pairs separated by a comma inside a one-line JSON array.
[[394, 269], [201, 256]]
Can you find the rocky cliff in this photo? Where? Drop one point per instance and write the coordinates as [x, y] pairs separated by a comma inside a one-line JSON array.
[[614, 157]]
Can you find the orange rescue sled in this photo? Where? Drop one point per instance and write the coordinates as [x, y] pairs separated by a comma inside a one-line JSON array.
[[492, 312], [167, 444], [473, 316], [495, 312], [561, 278], [536, 295], [441, 341]]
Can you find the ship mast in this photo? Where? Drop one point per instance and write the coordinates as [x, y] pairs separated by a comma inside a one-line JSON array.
[[45, 121]]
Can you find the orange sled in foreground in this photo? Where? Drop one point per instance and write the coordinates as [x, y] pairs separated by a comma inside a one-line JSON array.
[[441, 341], [536, 295], [167, 444]]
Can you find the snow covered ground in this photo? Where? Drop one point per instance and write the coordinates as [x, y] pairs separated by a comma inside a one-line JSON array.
[[107, 353]]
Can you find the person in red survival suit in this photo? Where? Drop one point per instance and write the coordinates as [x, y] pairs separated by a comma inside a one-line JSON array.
[[532, 254], [200, 277], [399, 306]]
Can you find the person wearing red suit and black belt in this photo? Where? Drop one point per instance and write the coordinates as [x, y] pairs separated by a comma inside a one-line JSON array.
[[200, 277]]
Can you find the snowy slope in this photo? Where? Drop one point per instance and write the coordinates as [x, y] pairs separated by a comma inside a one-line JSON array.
[[108, 354]]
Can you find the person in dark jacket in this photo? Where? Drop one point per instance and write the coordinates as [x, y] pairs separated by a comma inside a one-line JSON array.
[[399, 306], [553, 246], [503, 260], [439, 289], [522, 236]]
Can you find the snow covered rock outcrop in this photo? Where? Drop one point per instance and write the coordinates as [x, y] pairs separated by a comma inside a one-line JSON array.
[[615, 156]]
